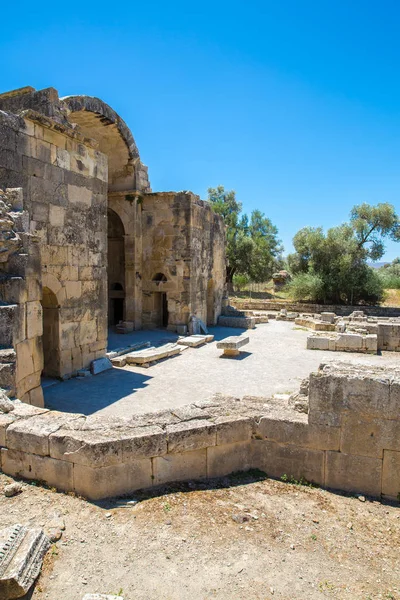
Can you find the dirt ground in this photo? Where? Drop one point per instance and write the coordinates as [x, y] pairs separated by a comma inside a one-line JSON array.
[[242, 537]]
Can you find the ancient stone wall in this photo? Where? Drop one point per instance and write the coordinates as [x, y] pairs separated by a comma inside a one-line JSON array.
[[64, 183], [350, 440], [208, 262], [340, 310]]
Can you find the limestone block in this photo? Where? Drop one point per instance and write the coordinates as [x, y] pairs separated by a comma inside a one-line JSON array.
[[79, 195], [190, 435], [391, 475], [349, 341], [300, 433], [34, 319], [328, 317], [241, 322], [315, 342], [114, 480], [100, 364], [73, 289], [56, 215], [362, 392], [180, 466], [369, 437], [32, 435], [229, 458], [144, 442], [192, 341], [233, 429], [24, 360], [21, 552], [36, 397], [55, 473], [5, 421], [233, 342], [277, 460], [353, 473]]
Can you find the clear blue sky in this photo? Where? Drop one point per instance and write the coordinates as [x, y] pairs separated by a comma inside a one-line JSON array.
[[294, 104]]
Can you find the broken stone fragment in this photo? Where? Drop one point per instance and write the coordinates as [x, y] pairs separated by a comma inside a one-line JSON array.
[[6, 405], [21, 556], [99, 365], [12, 489]]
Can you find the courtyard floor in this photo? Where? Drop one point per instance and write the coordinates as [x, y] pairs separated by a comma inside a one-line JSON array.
[[275, 361]]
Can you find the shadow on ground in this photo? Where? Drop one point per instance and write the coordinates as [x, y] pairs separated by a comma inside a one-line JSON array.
[[102, 390]]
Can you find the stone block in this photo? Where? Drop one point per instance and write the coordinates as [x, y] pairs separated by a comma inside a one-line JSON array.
[[316, 342], [34, 319], [353, 473], [180, 467], [233, 429], [32, 435], [229, 458], [55, 473], [391, 475], [190, 435], [100, 364], [36, 397], [144, 442], [5, 421], [328, 317], [22, 551], [114, 480], [358, 391], [240, 322], [349, 341], [300, 433], [369, 437], [277, 460], [79, 195]]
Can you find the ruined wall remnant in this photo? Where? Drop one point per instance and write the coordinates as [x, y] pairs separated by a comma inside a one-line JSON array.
[[349, 440]]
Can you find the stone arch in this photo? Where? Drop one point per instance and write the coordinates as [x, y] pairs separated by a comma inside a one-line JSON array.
[[99, 121], [159, 278]]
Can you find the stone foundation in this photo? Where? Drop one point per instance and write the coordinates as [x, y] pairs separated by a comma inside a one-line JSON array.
[[350, 440]]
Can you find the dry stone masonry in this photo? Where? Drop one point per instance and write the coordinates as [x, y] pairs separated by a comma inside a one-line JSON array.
[[348, 439]]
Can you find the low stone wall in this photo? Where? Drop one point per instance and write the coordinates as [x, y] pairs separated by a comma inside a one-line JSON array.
[[344, 342], [389, 336], [240, 322], [310, 323], [340, 310], [350, 440]]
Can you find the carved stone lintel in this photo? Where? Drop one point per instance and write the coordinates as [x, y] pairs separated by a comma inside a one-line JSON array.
[[21, 556]]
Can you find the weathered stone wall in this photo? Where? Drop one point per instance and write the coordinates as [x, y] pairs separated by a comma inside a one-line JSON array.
[[166, 251], [64, 182], [350, 440], [208, 262]]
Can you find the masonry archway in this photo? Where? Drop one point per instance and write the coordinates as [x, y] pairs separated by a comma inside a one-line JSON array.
[[51, 334]]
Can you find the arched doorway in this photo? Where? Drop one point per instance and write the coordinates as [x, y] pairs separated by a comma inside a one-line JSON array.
[[115, 269], [51, 334]]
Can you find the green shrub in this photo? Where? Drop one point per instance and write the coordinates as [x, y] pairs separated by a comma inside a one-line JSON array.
[[307, 287], [240, 282]]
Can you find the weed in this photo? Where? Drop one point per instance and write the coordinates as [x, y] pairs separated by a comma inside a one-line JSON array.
[[314, 537], [167, 507], [301, 481], [54, 550], [326, 586]]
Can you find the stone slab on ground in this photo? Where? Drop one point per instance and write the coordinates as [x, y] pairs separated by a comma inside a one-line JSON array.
[[99, 365], [152, 354], [21, 555], [193, 341], [207, 337], [231, 345]]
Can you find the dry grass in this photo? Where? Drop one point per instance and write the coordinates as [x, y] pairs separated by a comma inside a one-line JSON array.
[[392, 298]]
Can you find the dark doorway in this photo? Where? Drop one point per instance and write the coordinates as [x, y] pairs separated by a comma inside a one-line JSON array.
[[116, 269], [164, 309], [51, 334]]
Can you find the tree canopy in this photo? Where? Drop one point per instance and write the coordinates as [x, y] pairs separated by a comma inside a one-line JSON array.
[[253, 248], [333, 266]]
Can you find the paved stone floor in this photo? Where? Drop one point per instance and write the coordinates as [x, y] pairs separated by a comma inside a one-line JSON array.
[[275, 361]]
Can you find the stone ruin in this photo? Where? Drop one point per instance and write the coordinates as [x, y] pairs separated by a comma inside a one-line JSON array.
[[85, 245], [354, 333], [341, 431]]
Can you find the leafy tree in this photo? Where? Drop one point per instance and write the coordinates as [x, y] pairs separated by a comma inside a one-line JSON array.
[[253, 248], [390, 275], [337, 261]]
